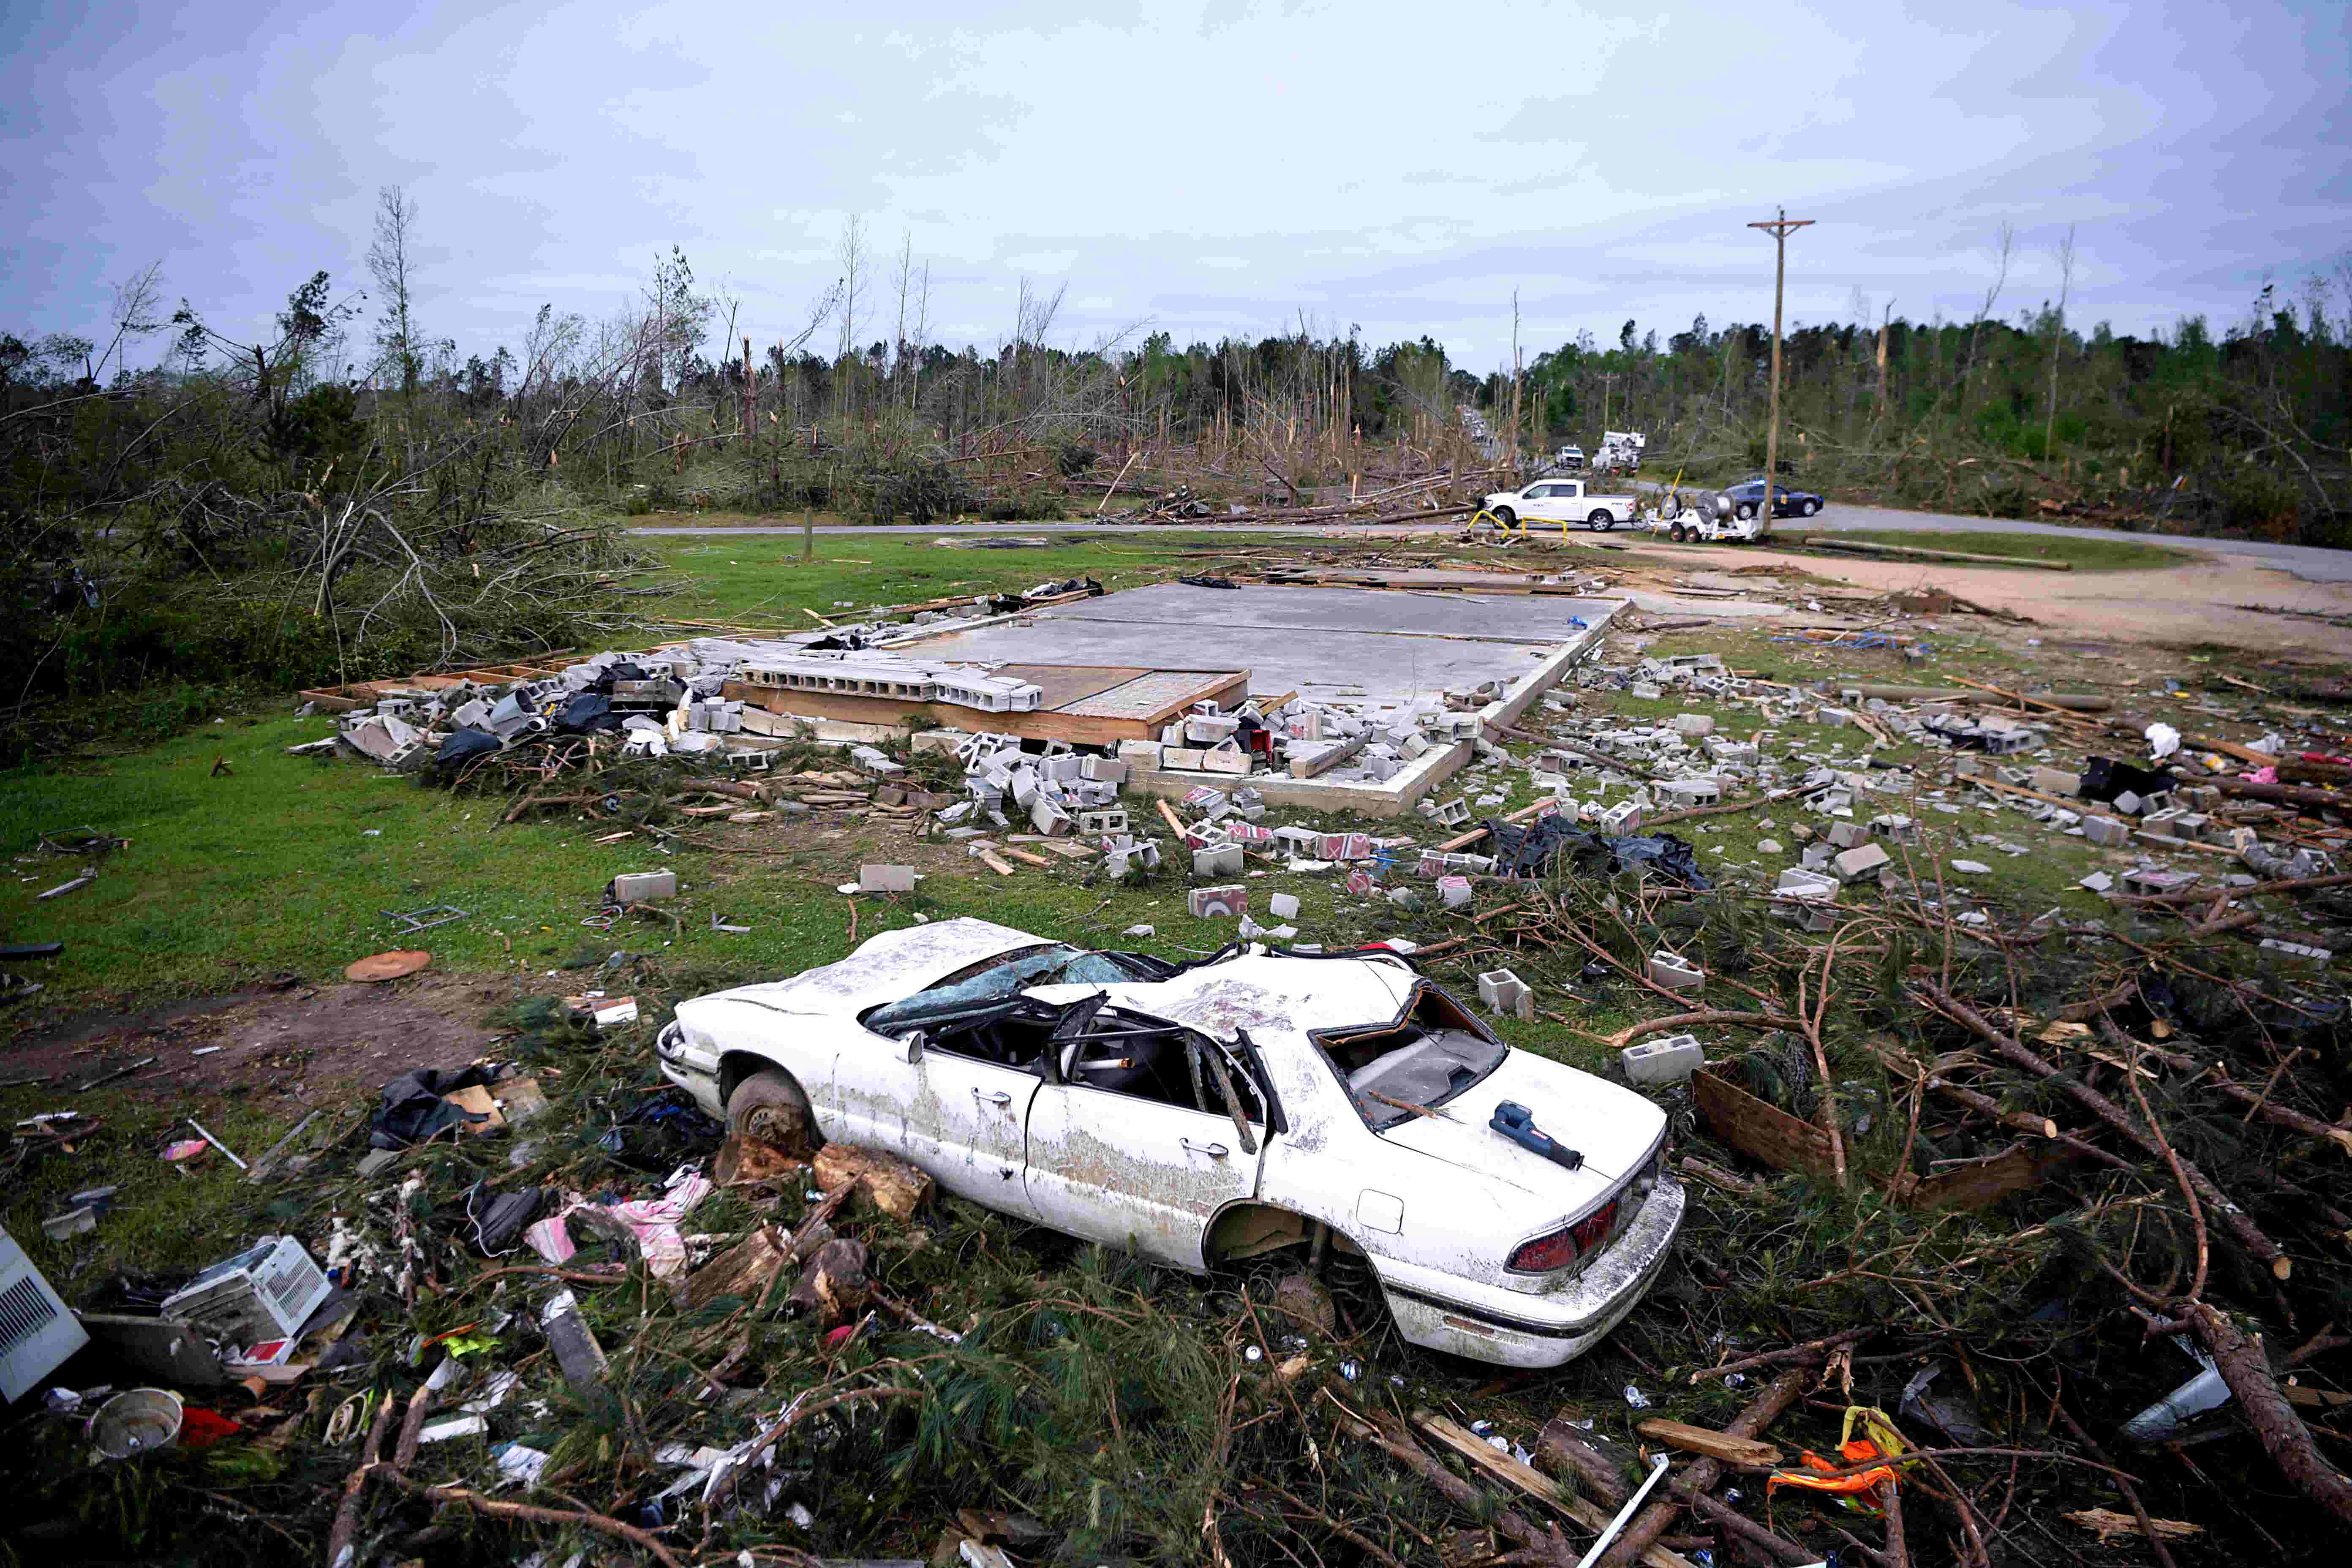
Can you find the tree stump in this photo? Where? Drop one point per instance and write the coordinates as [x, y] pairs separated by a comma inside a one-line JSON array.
[[887, 1182]]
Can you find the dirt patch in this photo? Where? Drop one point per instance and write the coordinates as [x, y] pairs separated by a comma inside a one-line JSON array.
[[303, 1046]]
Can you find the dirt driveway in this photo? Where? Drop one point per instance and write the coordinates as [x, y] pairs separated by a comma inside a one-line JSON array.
[[298, 1047], [2202, 602]]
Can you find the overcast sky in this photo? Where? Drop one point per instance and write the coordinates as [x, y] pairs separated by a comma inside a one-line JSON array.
[[1196, 168]]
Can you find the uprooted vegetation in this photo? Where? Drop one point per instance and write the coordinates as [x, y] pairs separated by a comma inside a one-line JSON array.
[[2023, 1157]]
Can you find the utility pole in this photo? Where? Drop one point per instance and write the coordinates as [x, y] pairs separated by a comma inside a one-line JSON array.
[[1605, 377], [1778, 228]]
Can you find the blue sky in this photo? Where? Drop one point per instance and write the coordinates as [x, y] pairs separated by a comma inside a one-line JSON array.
[[1196, 168]]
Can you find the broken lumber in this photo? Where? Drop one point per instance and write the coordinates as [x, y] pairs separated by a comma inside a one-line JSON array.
[[1651, 1522], [1747, 1453]]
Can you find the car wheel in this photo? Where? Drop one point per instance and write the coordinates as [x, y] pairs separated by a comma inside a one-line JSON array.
[[1746, 509], [1810, 507], [1507, 517], [1679, 534], [770, 1106], [1601, 521]]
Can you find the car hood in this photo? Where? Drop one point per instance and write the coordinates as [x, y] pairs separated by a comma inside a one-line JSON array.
[[1614, 1129], [884, 968]]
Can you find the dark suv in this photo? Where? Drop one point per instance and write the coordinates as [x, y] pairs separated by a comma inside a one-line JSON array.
[[1747, 496]]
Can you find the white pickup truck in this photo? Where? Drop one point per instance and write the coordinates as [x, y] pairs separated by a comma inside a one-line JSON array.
[[1562, 501]]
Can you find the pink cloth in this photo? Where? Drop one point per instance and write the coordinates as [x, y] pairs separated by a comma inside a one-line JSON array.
[[652, 1221]]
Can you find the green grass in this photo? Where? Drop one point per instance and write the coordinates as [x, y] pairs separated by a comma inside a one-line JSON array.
[[760, 579], [2087, 551]]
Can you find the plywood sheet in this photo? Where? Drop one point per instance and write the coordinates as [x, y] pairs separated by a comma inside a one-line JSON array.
[[1153, 695], [1064, 684]]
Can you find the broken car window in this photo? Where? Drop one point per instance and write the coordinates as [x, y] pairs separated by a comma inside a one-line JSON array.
[[998, 979], [1427, 1057]]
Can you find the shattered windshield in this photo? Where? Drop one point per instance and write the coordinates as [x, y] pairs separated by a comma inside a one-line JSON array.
[[1427, 1073], [996, 979]]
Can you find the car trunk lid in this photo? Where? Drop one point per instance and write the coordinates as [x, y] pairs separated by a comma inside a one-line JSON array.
[[1614, 1128]]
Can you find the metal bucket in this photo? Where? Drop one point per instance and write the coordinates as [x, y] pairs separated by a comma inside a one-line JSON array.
[[137, 1421]]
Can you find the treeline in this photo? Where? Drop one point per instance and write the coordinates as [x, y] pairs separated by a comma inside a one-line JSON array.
[[352, 494]]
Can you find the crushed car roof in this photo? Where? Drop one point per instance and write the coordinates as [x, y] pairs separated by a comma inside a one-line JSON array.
[[886, 967]]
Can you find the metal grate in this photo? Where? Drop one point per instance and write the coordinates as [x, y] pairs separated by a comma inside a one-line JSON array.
[[25, 1311]]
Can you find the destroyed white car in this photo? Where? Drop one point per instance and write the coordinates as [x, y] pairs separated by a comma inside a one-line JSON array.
[[1209, 1112], [1561, 501]]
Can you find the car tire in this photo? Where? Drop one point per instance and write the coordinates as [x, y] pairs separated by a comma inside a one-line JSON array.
[[770, 1106], [1601, 521], [1810, 507], [1505, 516], [1678, 533], [1744, 511]]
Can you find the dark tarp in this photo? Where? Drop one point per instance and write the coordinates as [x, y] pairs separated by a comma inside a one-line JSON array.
[[1529, 851]]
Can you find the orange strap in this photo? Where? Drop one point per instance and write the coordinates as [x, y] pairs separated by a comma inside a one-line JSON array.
[[1859, 1450]]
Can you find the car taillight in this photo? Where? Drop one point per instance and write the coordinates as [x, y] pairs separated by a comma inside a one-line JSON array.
[[1564, 1246], [1545, 1253]]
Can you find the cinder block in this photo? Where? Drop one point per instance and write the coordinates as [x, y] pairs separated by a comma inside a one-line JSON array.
[[1846, 834], [1217, 860], [1454, 890], [1503, 992], [1674, 971], [886, 878], [1863, 860], [1218, 903], [1234, 761], [2109, 831], [1182, 759], [641, 886], [1283, 905], [1621, 819], [1693, 724], [1452, 813], [1109, 819], [1670, 1060], [1103, 770], [2056, 781], [1894, 828]]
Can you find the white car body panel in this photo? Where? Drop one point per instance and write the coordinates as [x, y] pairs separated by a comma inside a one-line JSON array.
[[1437, 1204]]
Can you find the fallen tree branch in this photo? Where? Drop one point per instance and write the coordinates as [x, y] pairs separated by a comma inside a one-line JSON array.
[[2240, 1225], [1651, 1522], [2243, 1366], [529, 1512]]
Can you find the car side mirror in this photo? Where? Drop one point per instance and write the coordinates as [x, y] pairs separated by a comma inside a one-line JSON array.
[[915, 1046]]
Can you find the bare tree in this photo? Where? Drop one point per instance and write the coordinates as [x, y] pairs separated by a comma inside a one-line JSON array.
[[906, 275], [1993, 294], [2058, 336], [391, 261], [852, 290]]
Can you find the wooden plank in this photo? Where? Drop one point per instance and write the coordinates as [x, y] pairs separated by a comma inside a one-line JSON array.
[[1064, 684], [1981, 1183], [1080, 723], [1156, 696], [1759, 1130], [1747, 1453], [1529, 1481]]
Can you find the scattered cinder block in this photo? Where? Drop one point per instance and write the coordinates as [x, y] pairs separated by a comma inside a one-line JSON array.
[[641, 886], [2109, 831], [1217, 860], [1693, 724], [1218, 903], [1621, 819], [1846, 834], [1109, 819], [886, 878], [1674, 971], [1894, 828], [2056, 781], [2152, 879], [1283, 905], [1863, 860], [1454, 890], [1670, 1060], [1502, 992]]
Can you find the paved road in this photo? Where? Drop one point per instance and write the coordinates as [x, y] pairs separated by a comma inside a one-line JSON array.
[[2308, 563]]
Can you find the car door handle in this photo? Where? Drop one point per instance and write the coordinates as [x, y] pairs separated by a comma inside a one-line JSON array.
[[1214, 1150], [997, 1097]]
